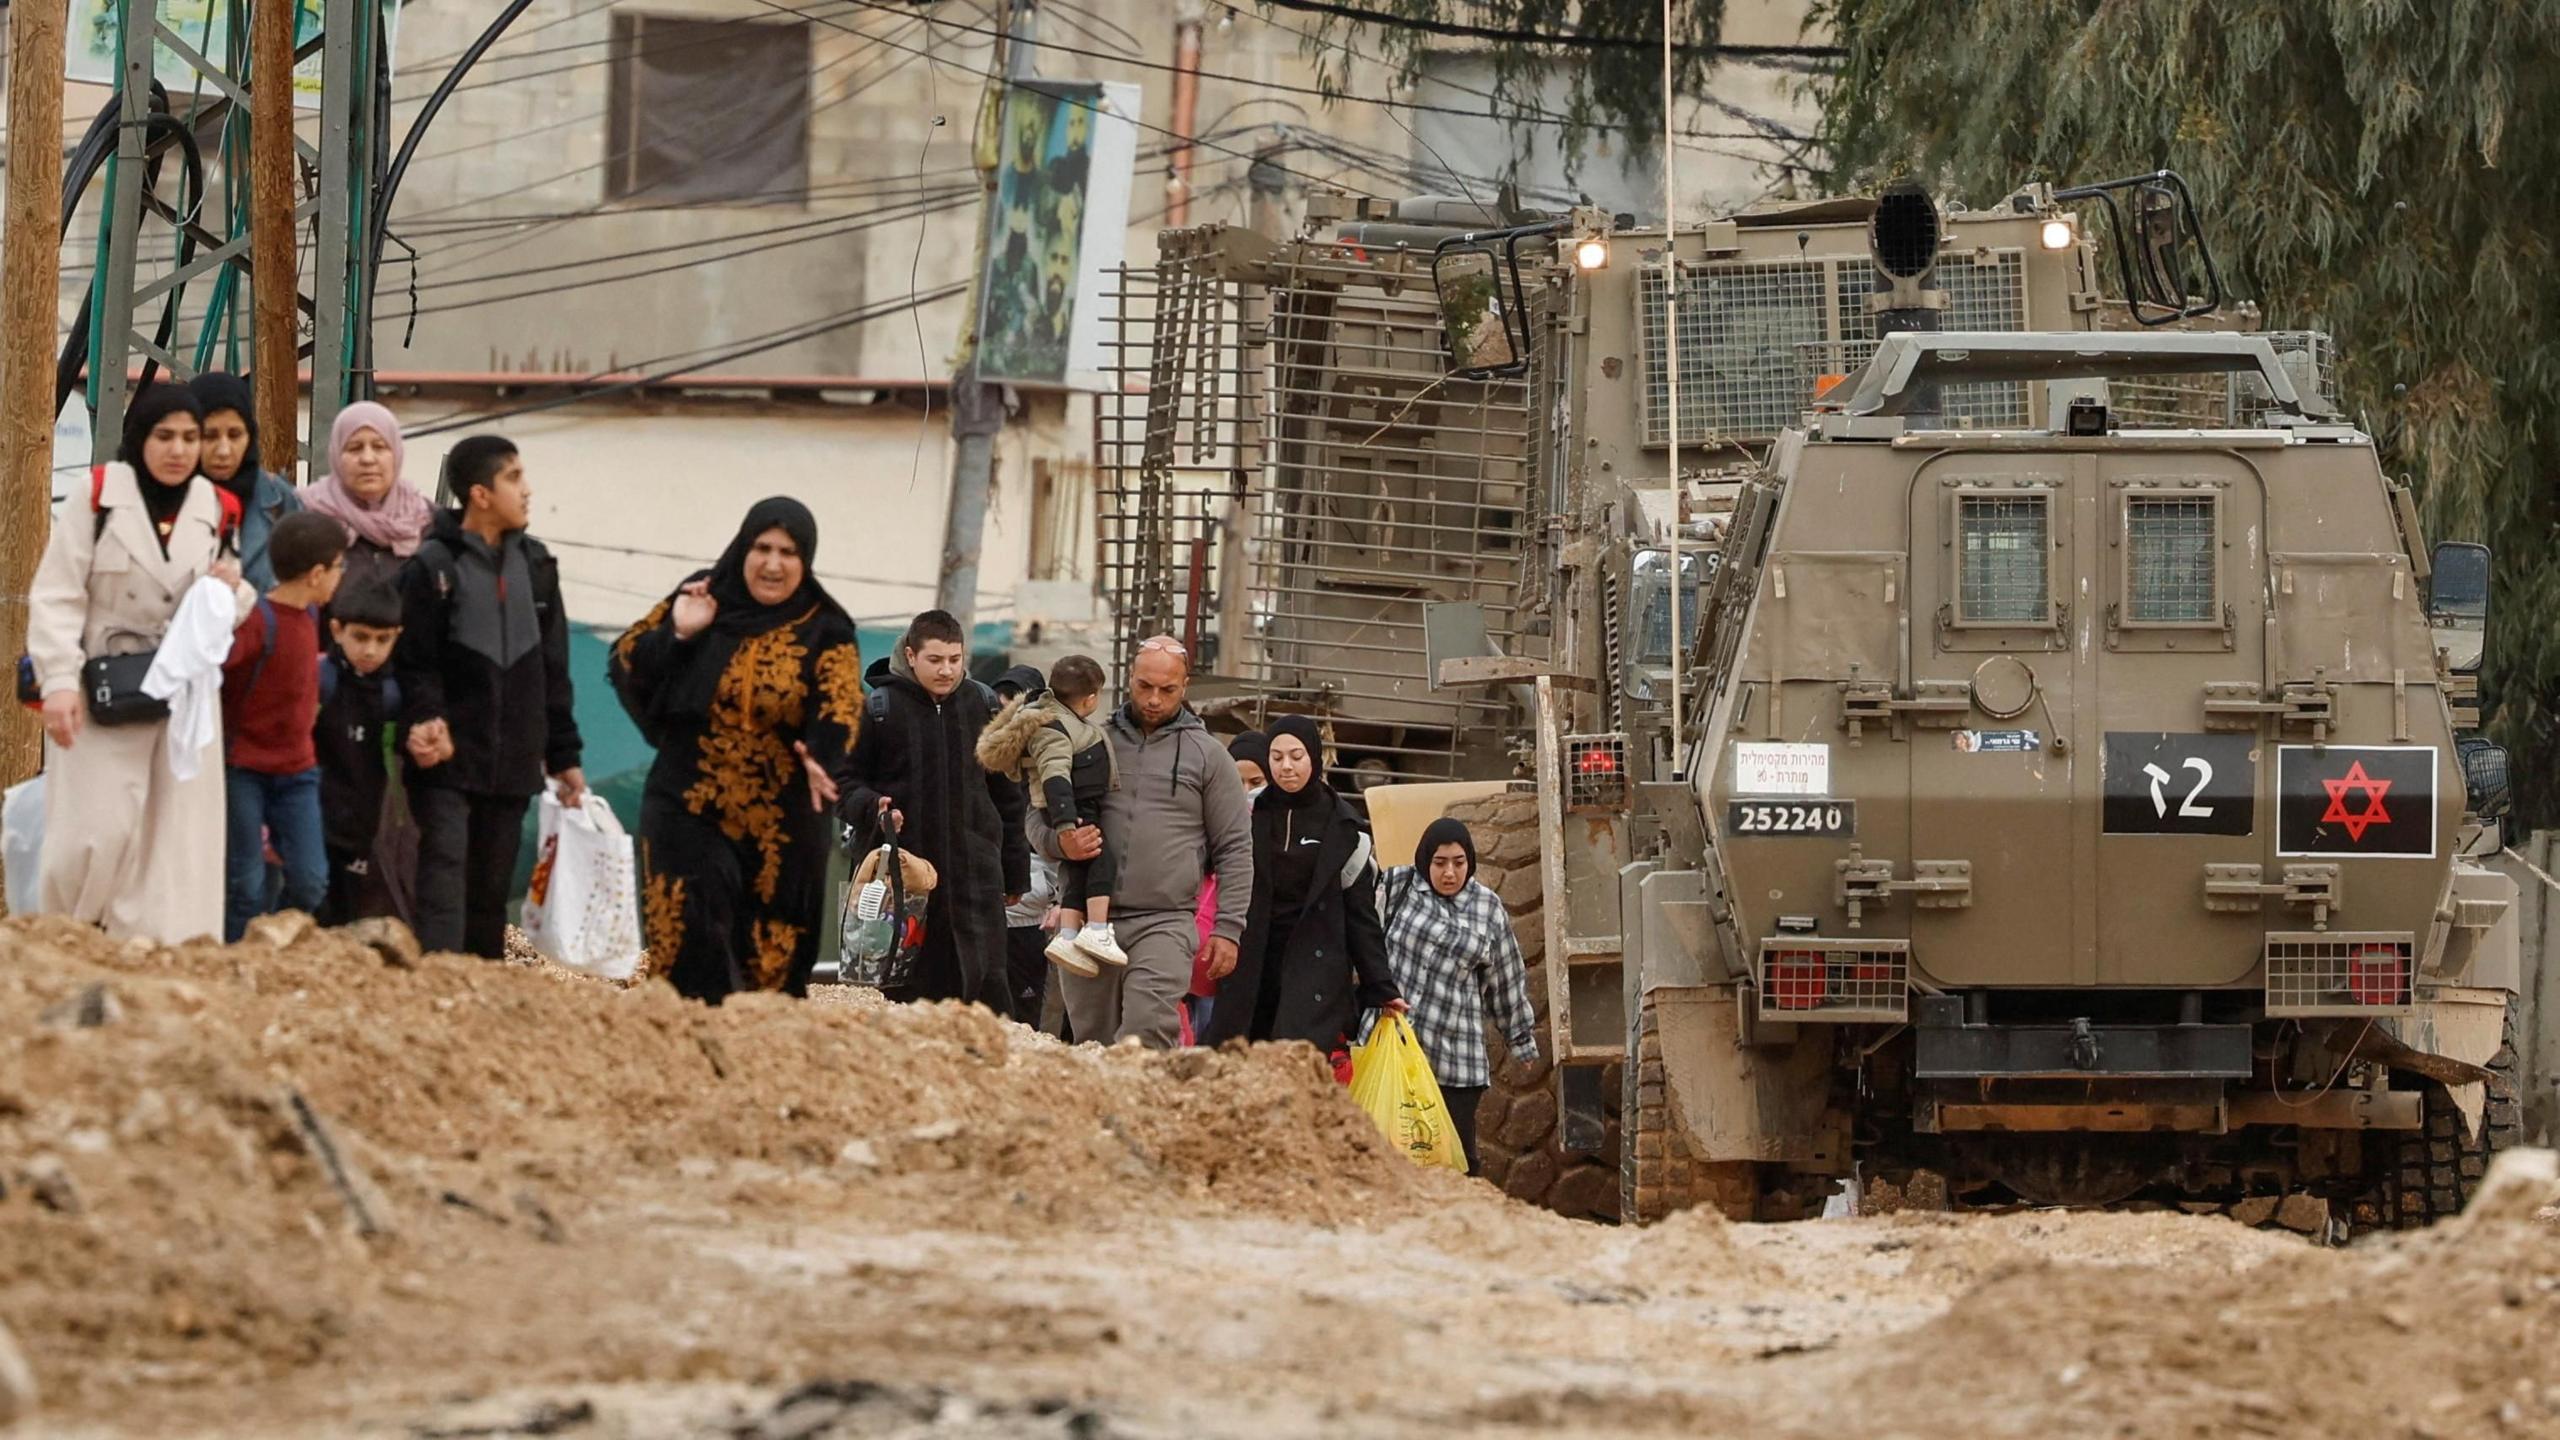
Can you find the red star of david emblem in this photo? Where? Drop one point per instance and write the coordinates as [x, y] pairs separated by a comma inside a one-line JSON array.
[[2356, 821]]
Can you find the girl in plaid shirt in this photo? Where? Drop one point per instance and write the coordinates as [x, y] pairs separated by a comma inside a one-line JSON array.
[[1451, 947]]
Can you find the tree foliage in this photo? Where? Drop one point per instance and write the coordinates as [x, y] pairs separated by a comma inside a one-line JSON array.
[[2377, 169], [1607, 86]]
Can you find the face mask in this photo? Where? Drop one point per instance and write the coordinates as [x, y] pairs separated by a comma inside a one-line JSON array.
[[1253, 793]]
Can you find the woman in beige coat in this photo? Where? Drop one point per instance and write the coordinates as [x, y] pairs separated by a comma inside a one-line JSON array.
[[127, 845]]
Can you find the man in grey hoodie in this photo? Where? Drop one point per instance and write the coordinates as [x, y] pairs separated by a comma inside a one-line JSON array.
[[1179, 812]]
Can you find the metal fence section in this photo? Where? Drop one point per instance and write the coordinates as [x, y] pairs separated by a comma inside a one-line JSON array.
[[1178, 434], [2222, 401], [1289, 476]]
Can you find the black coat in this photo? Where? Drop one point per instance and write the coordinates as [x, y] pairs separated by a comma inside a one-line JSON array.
[[1327, 966], [512, 724], [921, 754]]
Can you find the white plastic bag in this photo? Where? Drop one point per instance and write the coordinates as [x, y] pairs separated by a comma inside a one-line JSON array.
[[582, 909], [22, 844]]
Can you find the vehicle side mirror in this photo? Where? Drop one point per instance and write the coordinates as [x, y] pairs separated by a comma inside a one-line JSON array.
[[1486, 334], [2458, 604]]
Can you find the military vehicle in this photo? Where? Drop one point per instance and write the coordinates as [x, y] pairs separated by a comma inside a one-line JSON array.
[[2066, 786]]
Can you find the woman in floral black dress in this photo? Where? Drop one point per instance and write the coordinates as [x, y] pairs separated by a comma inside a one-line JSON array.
[[730, 678]]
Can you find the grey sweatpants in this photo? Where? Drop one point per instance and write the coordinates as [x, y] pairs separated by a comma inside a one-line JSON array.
[[1144, 1000]]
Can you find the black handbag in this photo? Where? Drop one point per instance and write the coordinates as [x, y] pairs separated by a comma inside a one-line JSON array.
[[113, 684]]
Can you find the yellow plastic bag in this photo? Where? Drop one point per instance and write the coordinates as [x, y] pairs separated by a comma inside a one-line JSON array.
[[1391, 1079]]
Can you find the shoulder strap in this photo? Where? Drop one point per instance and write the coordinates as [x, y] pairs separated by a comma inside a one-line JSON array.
[[97, 501], [328, 679], [875, 710]]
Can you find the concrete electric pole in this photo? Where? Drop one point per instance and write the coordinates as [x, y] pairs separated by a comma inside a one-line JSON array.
[[274, 286], [977, 408], [30, 304]]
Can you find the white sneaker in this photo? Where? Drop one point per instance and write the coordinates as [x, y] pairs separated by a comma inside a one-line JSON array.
[[1098, 942], [1065, 953]]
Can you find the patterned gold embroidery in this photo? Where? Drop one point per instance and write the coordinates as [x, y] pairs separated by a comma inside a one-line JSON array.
[[662, 920], [776, 943], [840, 689], [746, 762], [631, 637]]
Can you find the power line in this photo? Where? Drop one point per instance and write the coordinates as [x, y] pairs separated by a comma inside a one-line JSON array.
[[1287, 88], [1061, 97], [1528, 113], [691, 361], [666, 47], [961, 200], [1459, 30]]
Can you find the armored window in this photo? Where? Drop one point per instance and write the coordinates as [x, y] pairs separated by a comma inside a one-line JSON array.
[[2169, 560], [2002, 542]]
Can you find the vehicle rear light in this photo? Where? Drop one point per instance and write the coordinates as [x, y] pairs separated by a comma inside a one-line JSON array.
[[1797, 979], [2378, 975]]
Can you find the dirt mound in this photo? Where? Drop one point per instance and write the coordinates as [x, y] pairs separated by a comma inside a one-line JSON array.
[[232, 1160], [2440, 1334]]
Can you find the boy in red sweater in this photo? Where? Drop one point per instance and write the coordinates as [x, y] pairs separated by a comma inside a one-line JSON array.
[[270, 692]]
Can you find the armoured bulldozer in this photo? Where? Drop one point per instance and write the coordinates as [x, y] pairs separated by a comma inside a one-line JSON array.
[[2061, 780]]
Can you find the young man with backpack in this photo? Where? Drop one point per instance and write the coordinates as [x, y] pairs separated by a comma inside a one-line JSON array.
[[483, 667], [270, 691], [915, 765]]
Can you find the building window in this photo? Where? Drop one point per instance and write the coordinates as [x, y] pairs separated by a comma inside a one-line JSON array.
[[2169, 550], [2001, 545], [707, 112]]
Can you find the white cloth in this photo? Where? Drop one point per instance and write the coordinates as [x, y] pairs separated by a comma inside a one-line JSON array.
[[187, 671]]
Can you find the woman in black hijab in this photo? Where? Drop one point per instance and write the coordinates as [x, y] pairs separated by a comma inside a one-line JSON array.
[[1313, 955], [732, 678], [232, 461]]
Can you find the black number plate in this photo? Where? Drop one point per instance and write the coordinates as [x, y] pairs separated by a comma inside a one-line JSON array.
[[1791, 817]]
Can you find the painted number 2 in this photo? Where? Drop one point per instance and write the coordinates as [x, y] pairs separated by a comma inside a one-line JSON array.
[[2187, 808]]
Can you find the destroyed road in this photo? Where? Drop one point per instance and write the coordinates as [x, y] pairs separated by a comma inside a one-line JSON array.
[[315, 1188]]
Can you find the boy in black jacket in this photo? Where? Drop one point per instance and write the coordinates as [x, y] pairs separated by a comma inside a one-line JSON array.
[[483, 664], [358, 702]]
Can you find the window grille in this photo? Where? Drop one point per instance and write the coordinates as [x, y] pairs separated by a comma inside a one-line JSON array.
[[2170, 544], [2001, 553]]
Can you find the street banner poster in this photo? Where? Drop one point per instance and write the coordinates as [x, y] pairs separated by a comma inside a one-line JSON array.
[[1056, 233], [205, 27]]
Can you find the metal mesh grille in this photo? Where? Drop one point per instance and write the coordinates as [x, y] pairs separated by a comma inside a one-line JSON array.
[[1846, 980], [2001, 580], [1176, 426], [2169, 545], [1740, 326], [1985, 295], [1595, 769], [1289, 475], [2309, 973], [2223, 401]]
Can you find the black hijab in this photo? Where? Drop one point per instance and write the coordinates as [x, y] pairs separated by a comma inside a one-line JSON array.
[[740, 613], [742, 617], [1304, 730], [1255, 746], [1443, 831], [145, 411], [217, 390]]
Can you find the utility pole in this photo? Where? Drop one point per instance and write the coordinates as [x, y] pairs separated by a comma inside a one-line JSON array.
[[274, 287], [30, 314], [977, 408]]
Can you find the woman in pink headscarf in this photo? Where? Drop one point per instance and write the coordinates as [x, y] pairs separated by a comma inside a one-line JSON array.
[[385, 518]]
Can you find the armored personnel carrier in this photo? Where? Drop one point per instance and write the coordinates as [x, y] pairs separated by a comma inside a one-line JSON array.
[[2071, 801]]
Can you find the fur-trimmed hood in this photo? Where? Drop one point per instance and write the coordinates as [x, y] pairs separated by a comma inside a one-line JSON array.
[[1036, 739]]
